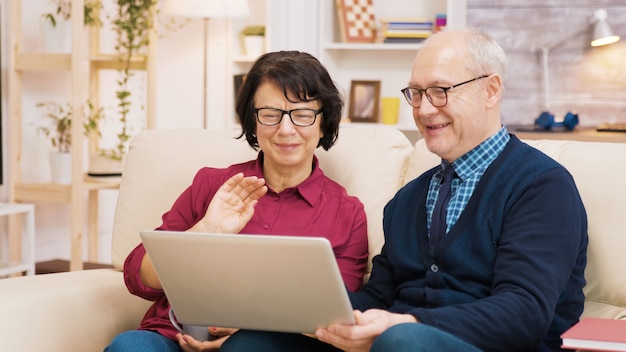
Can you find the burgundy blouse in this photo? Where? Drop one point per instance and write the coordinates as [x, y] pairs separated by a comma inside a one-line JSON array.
[[317, 207]]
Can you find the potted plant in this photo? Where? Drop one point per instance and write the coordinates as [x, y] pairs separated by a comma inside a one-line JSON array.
[[254, 40], [58, 130], [133, 24], [55, 29]]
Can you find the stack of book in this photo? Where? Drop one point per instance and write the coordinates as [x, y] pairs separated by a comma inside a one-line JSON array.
[[406, 30]]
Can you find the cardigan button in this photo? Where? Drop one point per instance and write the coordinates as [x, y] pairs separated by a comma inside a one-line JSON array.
[[434, 268]]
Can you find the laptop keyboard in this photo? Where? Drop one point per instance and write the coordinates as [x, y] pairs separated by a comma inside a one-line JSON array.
[[612, 127]]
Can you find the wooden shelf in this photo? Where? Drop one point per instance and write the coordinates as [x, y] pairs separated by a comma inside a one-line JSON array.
[[55, 193], [82, 64], [585, 134], [63, 62], [43, 62], [113, 62]]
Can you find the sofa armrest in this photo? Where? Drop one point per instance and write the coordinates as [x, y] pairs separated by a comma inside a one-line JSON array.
[[72, 311]]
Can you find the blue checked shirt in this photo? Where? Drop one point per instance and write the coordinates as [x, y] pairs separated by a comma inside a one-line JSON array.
[[469, 169]]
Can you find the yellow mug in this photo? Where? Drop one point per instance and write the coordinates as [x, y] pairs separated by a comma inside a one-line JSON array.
[[390, 110]]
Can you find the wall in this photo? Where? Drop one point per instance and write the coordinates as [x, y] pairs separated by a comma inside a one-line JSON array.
[[590, 81]]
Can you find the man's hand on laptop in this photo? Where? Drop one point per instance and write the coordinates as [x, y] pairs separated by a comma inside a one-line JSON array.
[[232, 206], [360, 336], [189, 344]]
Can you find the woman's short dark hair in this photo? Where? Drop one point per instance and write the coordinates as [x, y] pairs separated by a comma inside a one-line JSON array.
[[297, 73]]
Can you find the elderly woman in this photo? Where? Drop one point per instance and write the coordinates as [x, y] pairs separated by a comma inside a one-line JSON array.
[[288, 106]]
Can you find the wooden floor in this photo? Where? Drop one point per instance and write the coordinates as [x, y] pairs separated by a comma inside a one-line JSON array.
[[59, 265]]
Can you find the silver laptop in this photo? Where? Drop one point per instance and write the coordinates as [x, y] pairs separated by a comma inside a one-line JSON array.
[[259, 282]]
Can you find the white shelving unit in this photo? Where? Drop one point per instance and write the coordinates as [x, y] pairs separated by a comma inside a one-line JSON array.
[[24, 242], [389, 63], [312, 27]]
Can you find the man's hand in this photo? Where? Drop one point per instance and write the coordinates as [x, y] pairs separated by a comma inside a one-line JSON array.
[[232, 206], [359, 337]]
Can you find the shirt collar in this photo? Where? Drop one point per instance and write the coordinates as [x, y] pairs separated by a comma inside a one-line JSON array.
[[309, 190], [482, 155]]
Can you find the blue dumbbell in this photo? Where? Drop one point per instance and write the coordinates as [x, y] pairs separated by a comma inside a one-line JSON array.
[[546, 121]]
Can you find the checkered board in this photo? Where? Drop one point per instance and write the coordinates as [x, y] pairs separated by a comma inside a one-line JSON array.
[[356, 20]]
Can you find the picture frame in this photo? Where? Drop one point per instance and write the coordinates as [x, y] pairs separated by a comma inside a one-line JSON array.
[[357, 22], [364, 101]]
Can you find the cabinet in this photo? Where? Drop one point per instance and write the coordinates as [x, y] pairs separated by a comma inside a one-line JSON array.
[[389, 63], [82, 64]]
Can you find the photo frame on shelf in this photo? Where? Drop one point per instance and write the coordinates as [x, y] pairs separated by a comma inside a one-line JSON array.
[[364, 101], [357, 22]]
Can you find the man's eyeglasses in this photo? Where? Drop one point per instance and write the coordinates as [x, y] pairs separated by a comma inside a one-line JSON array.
[[437, 96], [299, 117]]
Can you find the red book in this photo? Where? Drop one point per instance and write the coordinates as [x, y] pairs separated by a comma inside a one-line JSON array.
[[596, 334]]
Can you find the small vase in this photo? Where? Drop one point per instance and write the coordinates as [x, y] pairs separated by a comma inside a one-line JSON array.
[[61, 167], [101, 165], [254, 45]]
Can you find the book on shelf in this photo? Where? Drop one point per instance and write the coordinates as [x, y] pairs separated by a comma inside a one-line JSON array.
[[406, 34], [403, 40], [596, 334], [405, 30]]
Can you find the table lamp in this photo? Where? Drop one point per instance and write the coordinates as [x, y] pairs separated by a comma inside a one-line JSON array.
[[602, 35], [206, 9]]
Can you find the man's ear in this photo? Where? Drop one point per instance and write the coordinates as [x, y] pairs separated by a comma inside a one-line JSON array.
[[494, 90]]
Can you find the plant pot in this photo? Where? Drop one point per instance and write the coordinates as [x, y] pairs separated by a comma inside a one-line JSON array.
[[61, 167], [102, 165], [56, 39], [254, 45]]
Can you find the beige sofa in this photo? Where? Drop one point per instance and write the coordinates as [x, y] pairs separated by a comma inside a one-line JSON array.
[[82, 311]]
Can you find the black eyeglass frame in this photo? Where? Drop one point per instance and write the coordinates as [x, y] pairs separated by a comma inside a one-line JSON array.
[[407, 91], [288, 112]]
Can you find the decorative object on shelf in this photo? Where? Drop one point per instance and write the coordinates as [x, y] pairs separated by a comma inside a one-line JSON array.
[[104, 166], [546, 121], [602, 35], [357, 21], [440, 22], [206, 9], [254, 40], [61, 168], [364, 100], [390, 110], [58, 131], [237, 83]]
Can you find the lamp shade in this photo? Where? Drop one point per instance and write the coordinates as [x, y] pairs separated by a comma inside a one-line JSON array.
[[602, 33], [207, 8]]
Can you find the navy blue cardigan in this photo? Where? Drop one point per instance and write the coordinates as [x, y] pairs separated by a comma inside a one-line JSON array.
[[509, 274]]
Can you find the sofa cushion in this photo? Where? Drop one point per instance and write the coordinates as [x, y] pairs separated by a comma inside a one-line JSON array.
[[599, 169]]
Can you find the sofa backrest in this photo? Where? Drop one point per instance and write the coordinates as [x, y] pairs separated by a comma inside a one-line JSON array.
[[369, 161], [599, 170]]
